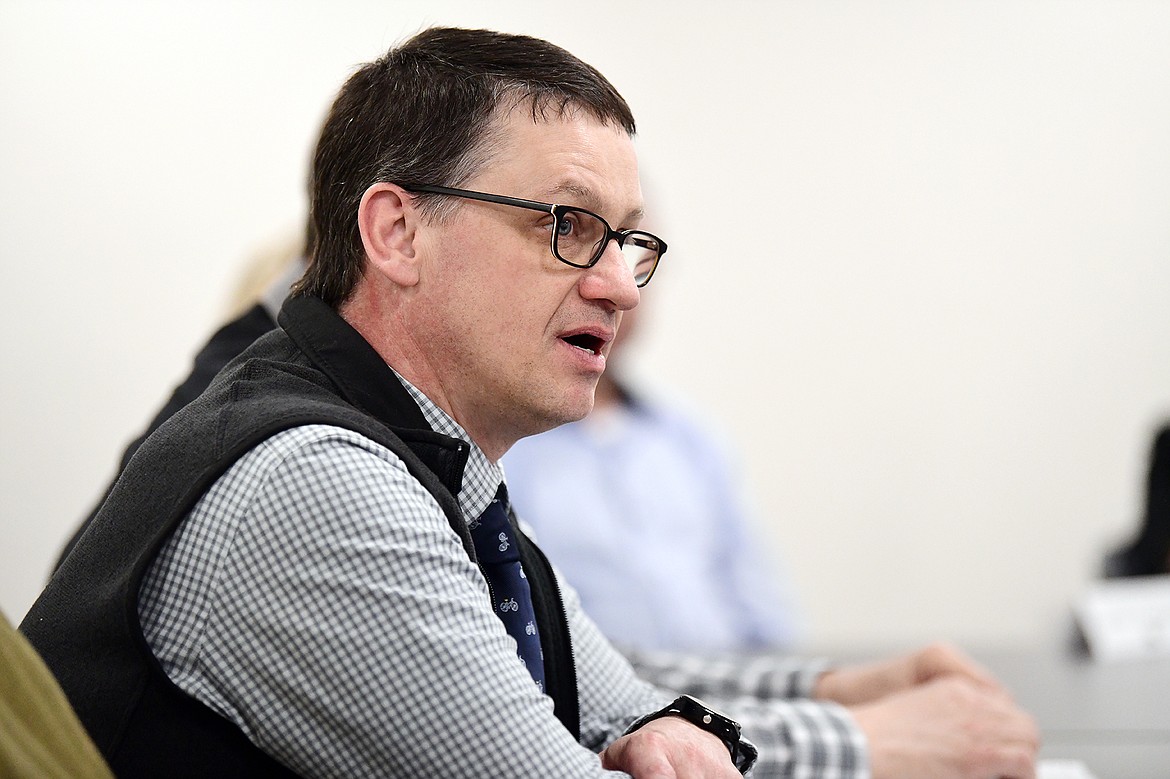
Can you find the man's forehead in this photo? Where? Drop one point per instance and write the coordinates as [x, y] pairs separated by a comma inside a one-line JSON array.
[[569, 157]]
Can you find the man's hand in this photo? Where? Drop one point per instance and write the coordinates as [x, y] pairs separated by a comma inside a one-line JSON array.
[[949, 728], [670, 748], [853, 685]]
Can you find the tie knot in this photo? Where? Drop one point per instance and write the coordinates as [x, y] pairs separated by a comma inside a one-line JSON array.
[[502, 496]]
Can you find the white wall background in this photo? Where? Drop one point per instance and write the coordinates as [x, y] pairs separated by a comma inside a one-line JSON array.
[[919, 266]]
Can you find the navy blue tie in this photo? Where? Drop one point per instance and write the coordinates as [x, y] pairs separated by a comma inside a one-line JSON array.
[[499, 557]]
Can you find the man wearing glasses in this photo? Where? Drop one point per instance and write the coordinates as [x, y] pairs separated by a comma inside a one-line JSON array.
[[312, 569]]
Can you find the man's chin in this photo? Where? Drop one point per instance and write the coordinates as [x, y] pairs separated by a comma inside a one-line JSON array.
[[569, 410], [566, 416]]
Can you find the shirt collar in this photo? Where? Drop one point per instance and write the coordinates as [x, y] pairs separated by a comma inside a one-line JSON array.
[[481, 477]]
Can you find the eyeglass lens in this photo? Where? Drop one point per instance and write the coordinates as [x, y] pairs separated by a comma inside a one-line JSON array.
[[581, 238]]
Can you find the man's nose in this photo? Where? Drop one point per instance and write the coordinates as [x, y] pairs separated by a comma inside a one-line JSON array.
[[611, 279]]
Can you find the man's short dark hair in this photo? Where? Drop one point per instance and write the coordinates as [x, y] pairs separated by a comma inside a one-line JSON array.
[[423, 114]]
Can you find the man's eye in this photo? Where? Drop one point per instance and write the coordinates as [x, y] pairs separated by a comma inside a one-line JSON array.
[[565, 226]]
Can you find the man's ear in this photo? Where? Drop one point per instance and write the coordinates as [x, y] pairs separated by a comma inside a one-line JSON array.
[[387, 220]]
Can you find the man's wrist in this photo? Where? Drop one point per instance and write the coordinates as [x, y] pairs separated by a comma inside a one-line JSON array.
[[743, 753], [822, 688]]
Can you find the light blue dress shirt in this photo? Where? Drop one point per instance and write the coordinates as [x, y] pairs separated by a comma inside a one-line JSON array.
[[640, 509]]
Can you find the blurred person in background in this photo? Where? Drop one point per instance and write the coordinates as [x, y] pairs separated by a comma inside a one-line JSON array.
[[1148, 552]]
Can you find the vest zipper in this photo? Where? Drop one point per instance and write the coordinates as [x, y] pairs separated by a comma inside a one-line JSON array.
[[488, 582]]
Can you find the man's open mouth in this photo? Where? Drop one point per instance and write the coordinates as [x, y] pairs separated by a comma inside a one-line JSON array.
[[585, 341]]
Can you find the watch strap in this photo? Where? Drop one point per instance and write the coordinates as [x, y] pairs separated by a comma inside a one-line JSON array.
[[743, 753]]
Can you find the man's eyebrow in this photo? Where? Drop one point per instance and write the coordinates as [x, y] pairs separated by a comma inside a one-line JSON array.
[[581, 193], [584, 197]]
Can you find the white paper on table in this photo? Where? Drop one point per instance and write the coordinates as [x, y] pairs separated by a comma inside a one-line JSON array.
[[1127, 619], [1062, 769]]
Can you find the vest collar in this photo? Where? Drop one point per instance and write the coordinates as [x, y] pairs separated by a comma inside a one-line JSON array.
[[364, 380]]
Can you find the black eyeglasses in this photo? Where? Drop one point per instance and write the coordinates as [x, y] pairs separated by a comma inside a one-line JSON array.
[[579, 237]]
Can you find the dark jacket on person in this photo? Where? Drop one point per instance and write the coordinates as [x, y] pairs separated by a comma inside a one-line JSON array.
[[316, 369], [1148, 553]]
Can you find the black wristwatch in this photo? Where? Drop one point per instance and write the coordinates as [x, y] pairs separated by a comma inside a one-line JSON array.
[[694, 711]]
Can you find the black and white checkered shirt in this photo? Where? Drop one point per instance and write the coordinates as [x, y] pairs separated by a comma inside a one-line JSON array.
[[317, 597]]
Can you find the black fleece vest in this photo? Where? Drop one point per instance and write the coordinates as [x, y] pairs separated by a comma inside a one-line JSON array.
[[315, 369]]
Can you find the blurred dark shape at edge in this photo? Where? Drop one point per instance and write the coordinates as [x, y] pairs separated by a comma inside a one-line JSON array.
[[1148, 553]]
